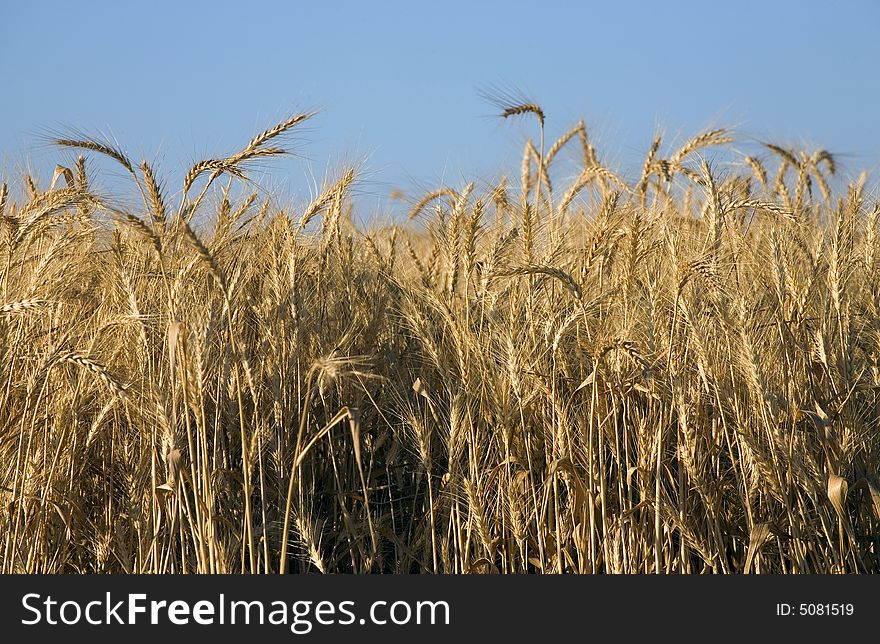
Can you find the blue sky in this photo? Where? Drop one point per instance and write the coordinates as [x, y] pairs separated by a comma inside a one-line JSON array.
[[398, 83]]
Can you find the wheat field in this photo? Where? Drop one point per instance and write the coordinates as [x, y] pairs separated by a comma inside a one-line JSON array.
[[568, 371]]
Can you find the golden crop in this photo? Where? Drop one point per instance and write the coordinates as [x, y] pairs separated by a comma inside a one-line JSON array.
[[675, 372]]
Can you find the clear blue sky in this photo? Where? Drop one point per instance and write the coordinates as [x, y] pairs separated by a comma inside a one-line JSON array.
[[397, 82]]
